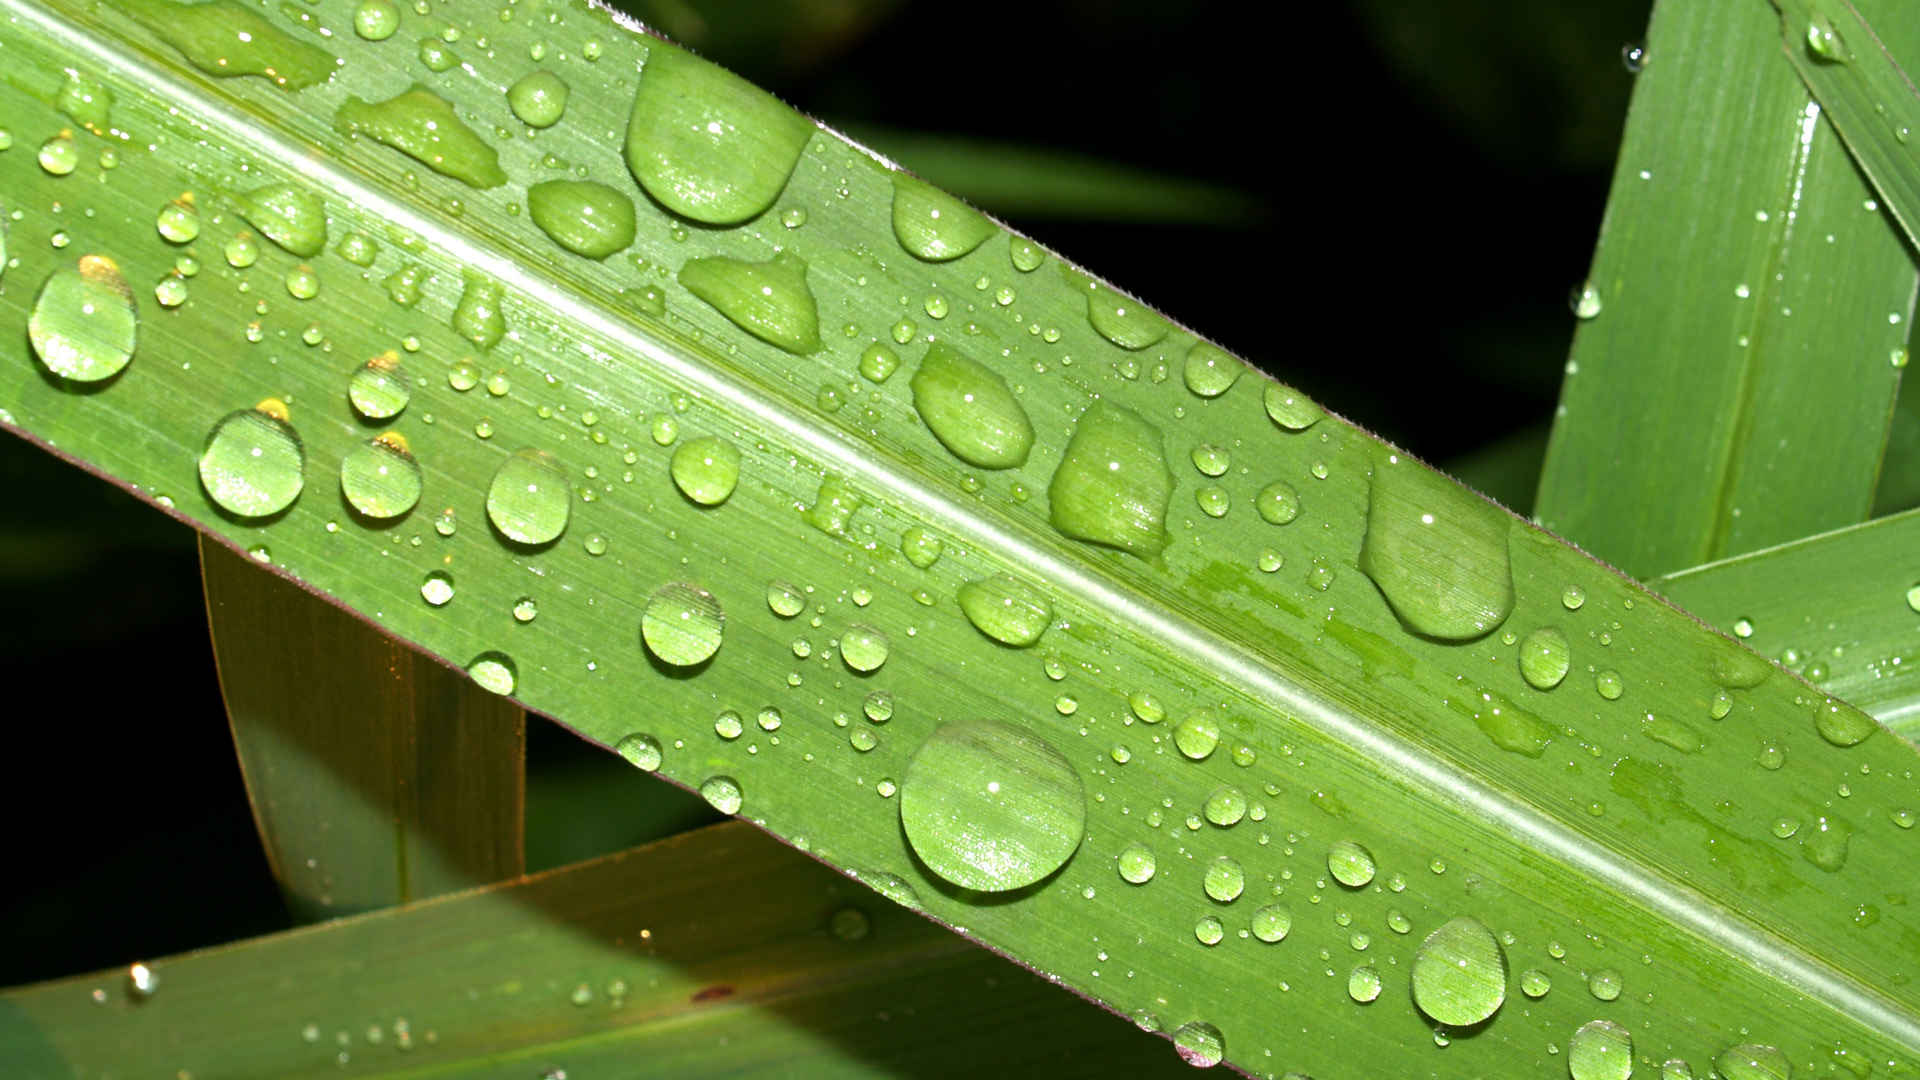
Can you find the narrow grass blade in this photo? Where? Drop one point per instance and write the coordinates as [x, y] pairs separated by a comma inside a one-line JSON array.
[[1900, 473], [933, 556], [718, 953], [1732, 387], [377, 776], [1842, 610]]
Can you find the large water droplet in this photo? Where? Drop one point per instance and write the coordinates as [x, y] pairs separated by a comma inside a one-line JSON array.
[[706, 469], [1291, 409], [1006, 609], [84, 322], [990, 807], [1136, 864], [288, 216], [1224, 880], [863, 648], [1437, 551], [538, 98], [1545, 657], [706, 143], [682, 624], [1460, 973], [971, 410], [1120, 319], [833, 506], [585, 217], [477, 316], [495, 672], [179, 221], [253, 464], [1841, 724], [1113, 483], [1350, 863], [641, 750], [380, 479], [1272, 923], [422, 125], [769, 300], [379, 391], [722, 793], [932, 224], [376, 20], [227, 39], [1200, 1044], [1600, 1050], [1752, 1061], [528, 499], [1198, 735], [1210, 371]]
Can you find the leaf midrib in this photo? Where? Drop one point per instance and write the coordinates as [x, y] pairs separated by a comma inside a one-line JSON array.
[[1253, 673]]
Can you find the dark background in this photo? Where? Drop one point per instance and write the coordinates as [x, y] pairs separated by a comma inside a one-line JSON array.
[[1425, 180]]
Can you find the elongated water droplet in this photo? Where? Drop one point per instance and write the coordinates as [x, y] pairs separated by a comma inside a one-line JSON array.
[[921, 547], [707, 144], [1113, 483], [380, 479], [682, 624], [1600, 1050], [1200, 1044], [932, 224], [706, 469], [1752, 1061], [722, 793], [86, 102], [1291, 409], [253, 465], [528, 499], [538, 98], [1460, 973], [1823, 41], [1437, 551], [478, 317], [833, 507], [585, 217], [288, 216], [1841, 724], [1210, 370], [227, 39], [990, 807], [84, 324], [769, 300], [971, 410], [1825, 843], [422, 125], [379, 391], [1545, 657], [1006, 609], [1120, 319]]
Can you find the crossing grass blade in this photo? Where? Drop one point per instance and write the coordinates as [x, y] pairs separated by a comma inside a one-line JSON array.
[[1733, 387], [399, 781], [1842, 610], [1019, 587], [718, 953]]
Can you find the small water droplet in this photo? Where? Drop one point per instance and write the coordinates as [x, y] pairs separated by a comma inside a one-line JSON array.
[[59, 156], [376, 20], [1605, 984], [1210, 371], [682, 624], [1208, 930], [1198, 735], [1825, 844], [380, 390], [1585, 302], [477, 316], [641, 750], [141, 980], [437, 588], [1573, 597], [1363, 983], [878, 362], [1278, 503], [1841, 724], [706, 469], [1272, 923], [1225, 880], [921, 547], [1633, 56], [1136, 864], [988, 806], [863, 648], [1535, 983], [933, 225], [1226, 805], [1823, 41], [1752, 1061], [288, 216], [1609, 684], [1290, 409]]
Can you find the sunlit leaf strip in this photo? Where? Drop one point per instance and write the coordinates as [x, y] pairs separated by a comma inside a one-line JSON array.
[[1404, 754]]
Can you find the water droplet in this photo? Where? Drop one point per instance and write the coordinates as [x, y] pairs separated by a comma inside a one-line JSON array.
[[1545, 657], [1224, 880], [1752, 1061], [1585, 302], [585, 217], [921, 547], [1210, 371], [706, 469], [477, 316], [1676, 1069], [1824, 43], [527, 500], [990, 807], [1121, 319], [728, 725], [253, 463], [878, 362], [288, 216], [379, 391], [437, 588], [525, 610], [538, 98], [495, 672], [1211, 460], [933, 225], [1437, 551], [142, 980], [1136, 864], [682, 624], [722, 793], [1363, 984], [380, 479], [1609, 684], [1351, 864], [1633, 57], [1272, 923], [1006, 609], [226, 39], [1212, 500], [833, 507], [179, 221], [303, 283], [1197, 735], [785, 600], [1843, 725], [1605, 984], [423, 125], [641, 750], [1200, 1044], [59, 156], [1535, 983], [376, 20], [1113, 484], [707, 144], [1278, 503], [1226, 805], [863, 648], [1600, 1050], [971, 410], [84, 323], [1573, 597], [1460, 973], [1291, 409], [769, 300], [1825, 844], [1209, 930]]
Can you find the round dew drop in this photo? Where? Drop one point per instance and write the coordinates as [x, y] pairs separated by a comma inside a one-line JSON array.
[[863, 648], [1226, 806], [1210, 371], [495, 672], [528, 501], [253, 464], [988, 806], [538, 98], [1278, 503], [1225, 880], [1460, 973], [642, 751], [1291, 409], [1545, 657], [1600, 1050], [722, 793], [706, 469], [179, 221], [1209, 930], [1604, 984], [1197, 735], [437, 588], [1200, 1044], [380, 391], [380, 479], [1006, 609], [1351, 864], [1363, 984], [682, 624], [1136, 864], [1271, 923], [376, 20], [84, 323]]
